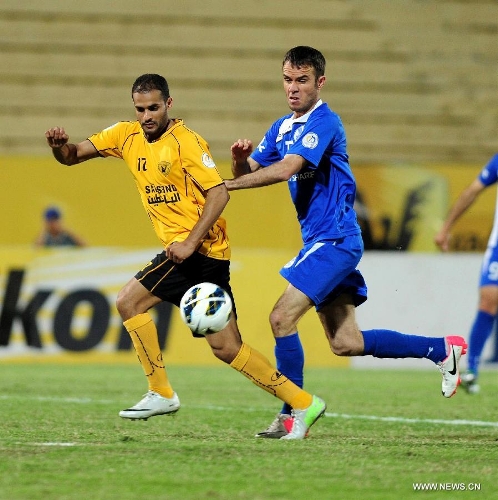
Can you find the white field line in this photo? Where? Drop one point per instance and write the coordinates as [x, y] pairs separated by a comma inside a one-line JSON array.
[[52, 444], [55, 399], [345, 416], [475, 423], [438, 421]]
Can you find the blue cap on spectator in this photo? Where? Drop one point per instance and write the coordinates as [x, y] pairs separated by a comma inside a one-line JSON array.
[[52, 213]]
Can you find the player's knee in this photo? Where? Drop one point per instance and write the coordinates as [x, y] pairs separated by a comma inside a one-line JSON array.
[[488, 300], [344, 346], [225, 353], [279, 322], [123, 304], [120, 302], [488, 305], [341, 350], [274, 320]]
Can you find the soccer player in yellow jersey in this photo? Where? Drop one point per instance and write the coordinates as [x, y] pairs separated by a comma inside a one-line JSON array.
[[184, 196]]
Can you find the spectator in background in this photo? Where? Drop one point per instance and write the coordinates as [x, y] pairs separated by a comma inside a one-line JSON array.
[[488, 285], [54, 233]]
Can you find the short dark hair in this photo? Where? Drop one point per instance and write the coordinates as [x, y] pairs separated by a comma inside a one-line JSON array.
[[303, 55], [148, 82]]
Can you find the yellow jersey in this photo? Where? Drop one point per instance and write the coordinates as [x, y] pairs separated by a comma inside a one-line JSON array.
[[172, 175]]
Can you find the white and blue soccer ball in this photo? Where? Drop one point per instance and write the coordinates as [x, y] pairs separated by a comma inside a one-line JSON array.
[[206, 308]]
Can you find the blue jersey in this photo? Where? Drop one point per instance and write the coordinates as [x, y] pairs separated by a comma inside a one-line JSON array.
[[489, 176], [324, 190]]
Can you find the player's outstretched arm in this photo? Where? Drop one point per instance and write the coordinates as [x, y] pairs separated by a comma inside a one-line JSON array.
[[277, 172], [464, 201], [65, 152]]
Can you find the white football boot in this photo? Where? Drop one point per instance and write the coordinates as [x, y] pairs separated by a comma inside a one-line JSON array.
[[151, 405], [449, 369]]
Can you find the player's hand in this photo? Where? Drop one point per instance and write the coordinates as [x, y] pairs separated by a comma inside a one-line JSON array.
[[178, 251], [442, 240], [56, 137], [241, 150]]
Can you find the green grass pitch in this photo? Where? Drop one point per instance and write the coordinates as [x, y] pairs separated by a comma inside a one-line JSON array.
[[384, 433]]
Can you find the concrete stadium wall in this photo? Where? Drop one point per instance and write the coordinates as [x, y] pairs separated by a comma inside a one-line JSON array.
[[413, 80]]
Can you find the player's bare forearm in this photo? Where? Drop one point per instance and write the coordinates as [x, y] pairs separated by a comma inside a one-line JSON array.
[[240, 168], [275, 173], [256, 179], [464, 201], [67, 154], [216, 201], [58, 140]]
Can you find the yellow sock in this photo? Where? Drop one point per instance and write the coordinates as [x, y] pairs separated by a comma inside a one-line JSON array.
[[253, 365], [143, 334]]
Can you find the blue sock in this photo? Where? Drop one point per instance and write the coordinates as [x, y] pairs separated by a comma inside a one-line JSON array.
[[391, 344], [290, 361], [481, 330]]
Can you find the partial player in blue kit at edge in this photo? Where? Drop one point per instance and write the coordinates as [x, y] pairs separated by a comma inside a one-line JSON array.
[[307, 148], [488, 285]]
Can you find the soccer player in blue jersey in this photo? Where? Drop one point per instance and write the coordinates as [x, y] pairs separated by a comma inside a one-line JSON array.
[[488, 286], [307, 148]]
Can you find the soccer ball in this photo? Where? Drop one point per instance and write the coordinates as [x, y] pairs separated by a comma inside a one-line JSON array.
[[206, 308]]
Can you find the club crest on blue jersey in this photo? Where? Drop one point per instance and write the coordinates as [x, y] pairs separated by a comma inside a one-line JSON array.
[[310, 140]]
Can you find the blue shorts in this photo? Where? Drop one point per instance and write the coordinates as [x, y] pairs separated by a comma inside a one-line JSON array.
[[489, 269], [326, 269]]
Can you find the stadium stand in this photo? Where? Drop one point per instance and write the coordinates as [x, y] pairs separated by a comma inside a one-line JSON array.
[[413, 80]]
